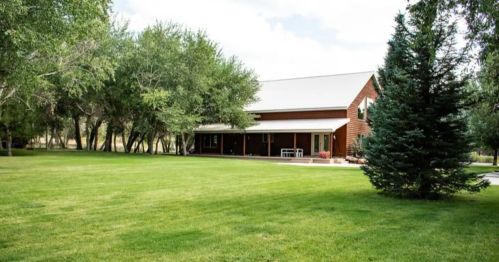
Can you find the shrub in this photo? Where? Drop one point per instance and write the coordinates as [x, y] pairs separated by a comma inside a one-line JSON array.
[[481, 159], [358, 147], [324, 155]]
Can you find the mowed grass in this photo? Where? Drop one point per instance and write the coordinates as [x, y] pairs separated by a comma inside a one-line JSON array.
[[78, 206]]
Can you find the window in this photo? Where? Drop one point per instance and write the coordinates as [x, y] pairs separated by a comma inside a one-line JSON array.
[[369, 102], [361, 114], [210, 141], [265, 138]]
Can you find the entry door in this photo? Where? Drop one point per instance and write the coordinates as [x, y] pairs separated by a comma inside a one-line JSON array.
[[320, 142]]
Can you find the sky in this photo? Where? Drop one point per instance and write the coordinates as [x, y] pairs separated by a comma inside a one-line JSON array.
[[282, 38]]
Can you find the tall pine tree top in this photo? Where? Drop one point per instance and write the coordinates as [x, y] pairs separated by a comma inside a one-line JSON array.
[[419, 144]]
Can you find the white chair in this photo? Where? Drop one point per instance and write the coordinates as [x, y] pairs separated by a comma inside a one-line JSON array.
[[299, 152]]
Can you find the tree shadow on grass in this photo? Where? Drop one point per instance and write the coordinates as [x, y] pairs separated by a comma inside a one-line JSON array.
[[356, 206]]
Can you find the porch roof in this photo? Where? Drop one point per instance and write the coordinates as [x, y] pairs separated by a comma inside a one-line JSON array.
[[281, 126]]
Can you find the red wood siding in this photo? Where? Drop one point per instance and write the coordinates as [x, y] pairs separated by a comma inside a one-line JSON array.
[[303, 115], [206, 150], [357, 126], [340, 144]]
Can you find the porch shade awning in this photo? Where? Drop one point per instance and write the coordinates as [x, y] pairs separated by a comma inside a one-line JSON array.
[[281, 126]]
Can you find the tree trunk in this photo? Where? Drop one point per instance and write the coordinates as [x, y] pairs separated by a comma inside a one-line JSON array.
[[9, 141], [94, 135], [131, 139], [176, 144], [168, 145], [66, 133], [138, 144], [96, 139], [157, 143], [101, 148], [125, 148], [115, 149], [1, 143], [494, 163], [91, 139], [109, 138], [184, 143], [87, 135], [47, 138], [60, 140], [163, 145], [150, 142], [50, 141], [77, 133]]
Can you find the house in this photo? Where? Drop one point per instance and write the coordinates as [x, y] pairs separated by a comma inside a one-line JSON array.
[[305, 115]]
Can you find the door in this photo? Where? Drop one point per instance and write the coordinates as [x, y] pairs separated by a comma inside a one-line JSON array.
[[320, 142]]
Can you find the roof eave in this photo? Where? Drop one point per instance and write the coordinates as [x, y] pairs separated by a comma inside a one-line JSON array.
[[298, 109], [267, 131]]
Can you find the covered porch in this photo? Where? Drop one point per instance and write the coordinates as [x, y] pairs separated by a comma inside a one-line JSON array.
[[275, 138]]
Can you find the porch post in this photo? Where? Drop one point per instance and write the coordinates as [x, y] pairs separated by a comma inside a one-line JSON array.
[[222, 144], [295, 145], [268, 142], [244, 144], [331, 145]]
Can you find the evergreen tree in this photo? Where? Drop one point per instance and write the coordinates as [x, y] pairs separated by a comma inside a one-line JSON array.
[[419, 146]]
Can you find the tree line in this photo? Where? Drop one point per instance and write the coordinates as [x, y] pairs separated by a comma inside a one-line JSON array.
[[68, 65]]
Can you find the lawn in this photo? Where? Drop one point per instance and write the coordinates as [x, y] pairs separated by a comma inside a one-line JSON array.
[[78, 206]]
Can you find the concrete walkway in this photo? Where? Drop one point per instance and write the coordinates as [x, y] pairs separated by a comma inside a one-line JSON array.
[[323, 165], [481, 164], [493, 178]]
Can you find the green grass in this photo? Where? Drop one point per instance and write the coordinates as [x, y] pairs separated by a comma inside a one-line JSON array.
[[77, 206]]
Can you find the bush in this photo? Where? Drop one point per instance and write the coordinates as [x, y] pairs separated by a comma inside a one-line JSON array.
[[481, 159], [357, 147], [324, 155]]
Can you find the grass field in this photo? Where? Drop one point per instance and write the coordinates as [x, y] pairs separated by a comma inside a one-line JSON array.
[[77, 206]]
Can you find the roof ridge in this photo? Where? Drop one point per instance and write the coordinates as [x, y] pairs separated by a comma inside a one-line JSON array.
[[306, 77]]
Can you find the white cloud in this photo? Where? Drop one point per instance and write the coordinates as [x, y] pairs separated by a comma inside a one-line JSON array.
[[242, 29]]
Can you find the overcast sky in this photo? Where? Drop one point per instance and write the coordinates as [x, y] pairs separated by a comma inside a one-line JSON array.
[[283, 38]]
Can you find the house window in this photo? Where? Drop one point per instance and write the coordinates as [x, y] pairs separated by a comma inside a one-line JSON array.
[[266, 136], [369, 103], [361, 110], [210, 141]]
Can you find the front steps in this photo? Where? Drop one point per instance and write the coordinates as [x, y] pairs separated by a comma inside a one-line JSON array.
[[301, 160]]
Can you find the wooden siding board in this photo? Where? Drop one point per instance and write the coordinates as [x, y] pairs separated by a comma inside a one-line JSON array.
[[303, 115]]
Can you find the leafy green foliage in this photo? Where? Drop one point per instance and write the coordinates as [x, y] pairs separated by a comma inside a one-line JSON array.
[[420, 145], [186, 82], [485, 110]]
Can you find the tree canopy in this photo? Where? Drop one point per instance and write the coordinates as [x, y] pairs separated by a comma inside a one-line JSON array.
[[69, 61]]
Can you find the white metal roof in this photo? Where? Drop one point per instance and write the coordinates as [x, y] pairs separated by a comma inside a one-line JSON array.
[[334, 92], [281, 126]]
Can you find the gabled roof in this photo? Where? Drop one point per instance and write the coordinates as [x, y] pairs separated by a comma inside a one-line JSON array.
[[280, 126], [332, 92]]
